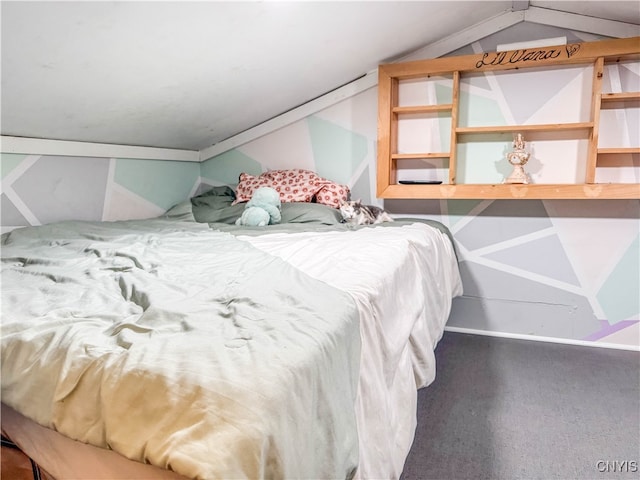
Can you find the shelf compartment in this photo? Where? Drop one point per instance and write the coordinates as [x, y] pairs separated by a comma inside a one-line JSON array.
[[422, 132], [426, 168]]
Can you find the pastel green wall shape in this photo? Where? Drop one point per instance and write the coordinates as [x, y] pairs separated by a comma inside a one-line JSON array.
[[226, 167], [337, 152], [459, 209], [164, 183], [618, 296], [9, 161], [482, 161]]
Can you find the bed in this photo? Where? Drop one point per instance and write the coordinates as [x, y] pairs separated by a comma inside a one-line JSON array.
[[186, 346]]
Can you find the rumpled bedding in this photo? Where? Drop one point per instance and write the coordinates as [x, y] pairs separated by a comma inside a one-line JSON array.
[[180, 346], [403, 277]]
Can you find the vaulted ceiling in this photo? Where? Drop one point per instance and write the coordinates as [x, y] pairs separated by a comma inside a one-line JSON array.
[[187, 75]]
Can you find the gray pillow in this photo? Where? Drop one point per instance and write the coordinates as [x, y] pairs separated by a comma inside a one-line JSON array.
[[181, 212], [292, 212], [220, 214], [217, 197], [304, 212]]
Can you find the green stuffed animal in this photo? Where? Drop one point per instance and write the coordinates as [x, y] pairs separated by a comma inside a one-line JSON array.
[[263, 208]]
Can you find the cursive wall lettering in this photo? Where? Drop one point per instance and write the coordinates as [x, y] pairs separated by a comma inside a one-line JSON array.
[[525, 55]]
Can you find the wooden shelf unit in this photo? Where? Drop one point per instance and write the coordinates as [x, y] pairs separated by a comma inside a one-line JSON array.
[[597, 54]]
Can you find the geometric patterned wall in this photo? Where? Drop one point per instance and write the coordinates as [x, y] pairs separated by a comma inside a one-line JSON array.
[[551, 268], [39, 189]]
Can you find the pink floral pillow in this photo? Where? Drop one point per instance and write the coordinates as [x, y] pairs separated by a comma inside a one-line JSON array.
[[332, 194], [294, 185]]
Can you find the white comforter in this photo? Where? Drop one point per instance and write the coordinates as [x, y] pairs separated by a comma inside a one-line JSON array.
[[403, 280]]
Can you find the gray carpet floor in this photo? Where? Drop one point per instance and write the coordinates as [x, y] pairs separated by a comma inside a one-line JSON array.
[[516, 409]]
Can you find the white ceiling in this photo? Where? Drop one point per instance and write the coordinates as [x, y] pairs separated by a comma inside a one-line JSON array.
[[188, 75]]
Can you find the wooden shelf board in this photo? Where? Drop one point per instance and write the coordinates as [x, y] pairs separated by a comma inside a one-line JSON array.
[[620, 101], [525, 128], [417, 156], [512, 192], [616, 97], [423, 109], [609, 151]]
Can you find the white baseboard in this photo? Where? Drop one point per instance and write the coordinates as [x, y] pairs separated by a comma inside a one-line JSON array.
[[537, 338]]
